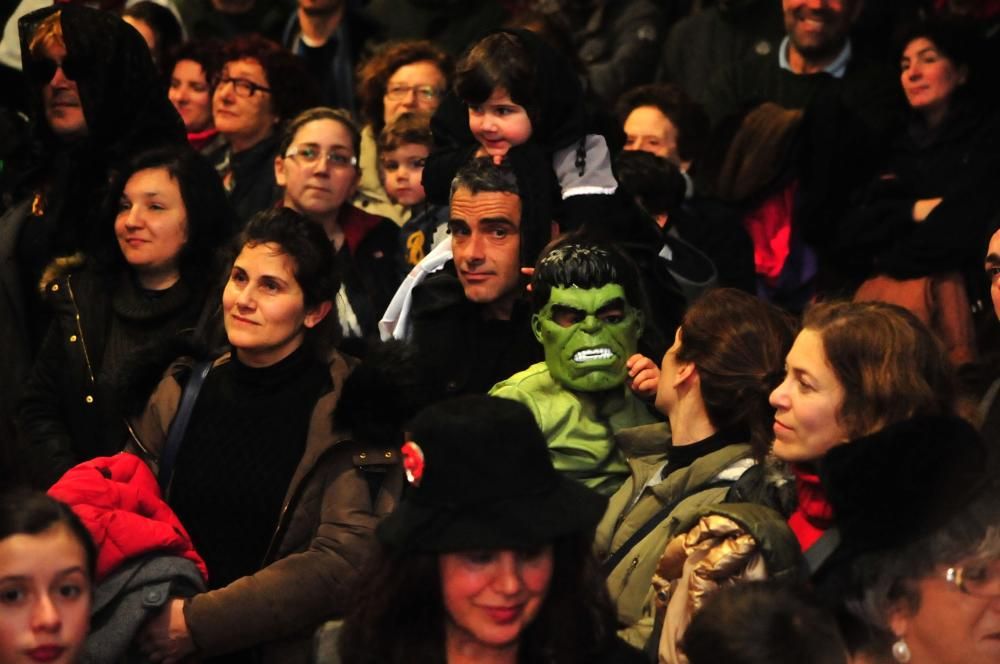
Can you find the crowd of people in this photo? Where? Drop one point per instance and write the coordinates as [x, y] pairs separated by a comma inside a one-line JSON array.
[[506, 331]]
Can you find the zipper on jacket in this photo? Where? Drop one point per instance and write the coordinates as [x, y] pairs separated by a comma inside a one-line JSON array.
[[79, 330], [284, 509], [628, 572]]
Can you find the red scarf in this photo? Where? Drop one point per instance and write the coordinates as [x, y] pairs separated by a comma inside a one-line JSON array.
[[200, 139], [813, 515]]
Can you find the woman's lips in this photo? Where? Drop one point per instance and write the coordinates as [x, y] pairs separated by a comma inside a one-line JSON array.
[[503, 614], [241, 319], [46, 653]]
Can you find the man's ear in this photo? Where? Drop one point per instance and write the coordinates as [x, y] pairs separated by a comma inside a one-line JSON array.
[[316, 315], [536, 327], [279, 171]]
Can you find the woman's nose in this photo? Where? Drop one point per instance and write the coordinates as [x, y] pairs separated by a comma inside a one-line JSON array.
[[134, 218], [778, 397], [508, 579], [245, 298]]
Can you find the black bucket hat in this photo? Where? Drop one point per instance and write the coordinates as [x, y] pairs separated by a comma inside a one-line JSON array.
[[481, 478]]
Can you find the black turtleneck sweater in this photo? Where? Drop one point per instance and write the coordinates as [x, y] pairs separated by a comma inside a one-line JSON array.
[[682, 456], [245, 439]]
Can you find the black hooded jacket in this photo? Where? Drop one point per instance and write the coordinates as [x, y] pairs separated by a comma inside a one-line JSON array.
[[126, 111], [63, 188]]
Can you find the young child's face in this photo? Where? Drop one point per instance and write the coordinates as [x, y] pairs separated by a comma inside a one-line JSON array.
[[499, 124], [402, 170]]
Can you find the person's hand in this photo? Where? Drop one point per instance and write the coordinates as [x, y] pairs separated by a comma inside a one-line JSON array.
[[644, 375], [528, 272], [166, 638], [923, 208], [498, 156]]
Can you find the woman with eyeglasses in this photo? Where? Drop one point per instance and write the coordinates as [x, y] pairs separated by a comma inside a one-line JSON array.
[[918, 566], [402, 77], [317, 165], [259, 87]]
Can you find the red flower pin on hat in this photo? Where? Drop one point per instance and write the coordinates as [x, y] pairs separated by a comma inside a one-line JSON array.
[[413, 462]]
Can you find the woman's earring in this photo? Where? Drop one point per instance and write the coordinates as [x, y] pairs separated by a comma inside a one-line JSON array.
[[901, 651]]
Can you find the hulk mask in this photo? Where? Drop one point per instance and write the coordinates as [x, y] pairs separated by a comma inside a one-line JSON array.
[[588, 334]]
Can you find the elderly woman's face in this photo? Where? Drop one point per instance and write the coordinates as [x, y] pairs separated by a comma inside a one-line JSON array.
[[242, 106], [417, 86], [951, 626], [928, 77], [490, 597], [807, 403]]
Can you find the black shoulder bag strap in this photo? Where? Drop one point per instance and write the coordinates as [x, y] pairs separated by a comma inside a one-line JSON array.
[[180, 422], [612, 561], [821, 549]]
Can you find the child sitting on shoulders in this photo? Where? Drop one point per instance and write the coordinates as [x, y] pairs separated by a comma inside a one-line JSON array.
[[519, 100]]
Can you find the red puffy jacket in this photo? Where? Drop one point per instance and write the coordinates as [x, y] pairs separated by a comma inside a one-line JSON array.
[[118, 500]]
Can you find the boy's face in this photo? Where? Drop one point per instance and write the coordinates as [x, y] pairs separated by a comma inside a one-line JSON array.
[[402, 170], [499, 124]]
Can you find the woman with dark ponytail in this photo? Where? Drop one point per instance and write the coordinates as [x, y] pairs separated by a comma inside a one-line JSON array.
[[714, 384]]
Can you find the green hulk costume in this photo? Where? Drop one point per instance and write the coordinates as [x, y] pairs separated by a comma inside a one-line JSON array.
[[579, 395]]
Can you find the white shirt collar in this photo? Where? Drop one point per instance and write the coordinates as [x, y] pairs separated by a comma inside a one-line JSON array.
[[837, 68]]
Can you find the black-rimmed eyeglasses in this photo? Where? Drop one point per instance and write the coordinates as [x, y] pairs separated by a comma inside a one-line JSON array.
[[241, 86]]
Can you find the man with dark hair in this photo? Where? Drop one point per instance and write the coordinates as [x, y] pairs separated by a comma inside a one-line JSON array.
[[815, 58], [589, 316], [470, 321]]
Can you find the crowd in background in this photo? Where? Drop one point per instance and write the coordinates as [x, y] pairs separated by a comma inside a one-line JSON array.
[[511, 331]]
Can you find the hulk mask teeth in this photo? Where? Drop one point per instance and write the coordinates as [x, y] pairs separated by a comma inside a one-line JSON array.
[[592, 354]]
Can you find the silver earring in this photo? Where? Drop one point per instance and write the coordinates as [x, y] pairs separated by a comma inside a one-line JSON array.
[[901, 651]]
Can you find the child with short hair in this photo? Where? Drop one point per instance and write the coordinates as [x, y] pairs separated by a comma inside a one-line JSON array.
[[403, 146]]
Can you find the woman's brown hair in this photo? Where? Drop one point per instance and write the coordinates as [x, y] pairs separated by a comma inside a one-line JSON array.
[[889, 363], [738, 344]]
